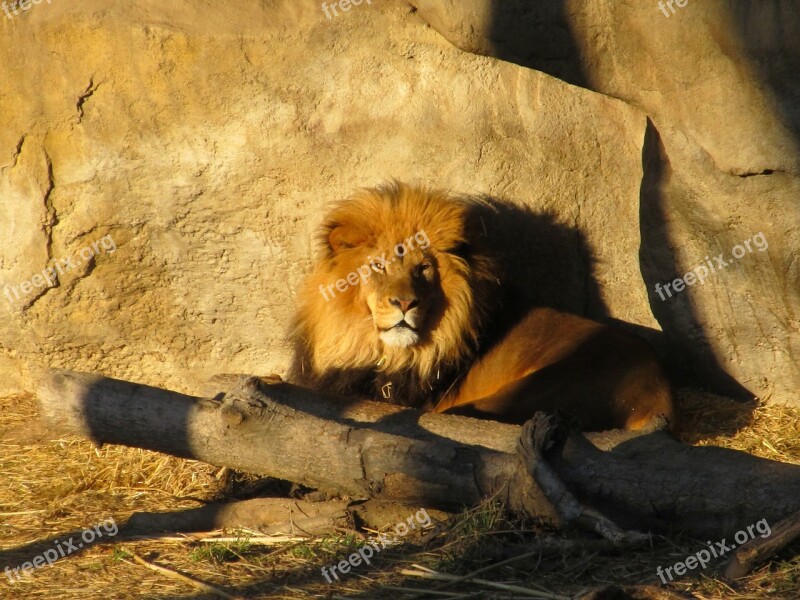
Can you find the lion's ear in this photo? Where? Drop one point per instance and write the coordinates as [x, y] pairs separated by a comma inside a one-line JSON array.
[[342, 237]]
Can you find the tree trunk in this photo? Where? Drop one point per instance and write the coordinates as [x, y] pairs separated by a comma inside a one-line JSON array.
[[374, 450]]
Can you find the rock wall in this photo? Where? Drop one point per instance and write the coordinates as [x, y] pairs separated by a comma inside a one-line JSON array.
[[196, 146], [718, 82]]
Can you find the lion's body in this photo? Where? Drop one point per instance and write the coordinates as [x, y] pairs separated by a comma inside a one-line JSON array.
[[422, 329]]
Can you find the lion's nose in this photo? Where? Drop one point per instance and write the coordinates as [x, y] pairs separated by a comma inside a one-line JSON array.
[[405, 305]]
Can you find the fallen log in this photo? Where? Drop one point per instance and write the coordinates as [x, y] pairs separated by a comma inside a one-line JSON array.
[[374, 450]]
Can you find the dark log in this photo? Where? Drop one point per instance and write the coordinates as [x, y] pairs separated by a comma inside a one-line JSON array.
[[373, 450]]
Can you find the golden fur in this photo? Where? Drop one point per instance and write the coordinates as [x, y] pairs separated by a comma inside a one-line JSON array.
[[420, 329]]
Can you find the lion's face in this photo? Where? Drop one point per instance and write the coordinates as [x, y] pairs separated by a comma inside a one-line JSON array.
[[400, 286], [400, 296]]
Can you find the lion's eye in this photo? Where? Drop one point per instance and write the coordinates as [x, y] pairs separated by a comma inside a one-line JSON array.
[[424, 270]]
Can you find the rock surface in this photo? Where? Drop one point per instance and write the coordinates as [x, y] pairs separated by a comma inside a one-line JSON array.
[[198, 145], [718, 82]]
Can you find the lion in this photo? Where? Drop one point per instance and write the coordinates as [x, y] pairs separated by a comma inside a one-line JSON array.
[[404, 307]]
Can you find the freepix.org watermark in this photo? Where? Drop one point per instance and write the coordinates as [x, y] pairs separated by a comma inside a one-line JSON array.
[[49, 275], [669, 4], [701, 272], [343, 5], [377, 264], [63, 549], [15, 7], [368, 550], [701, 558]]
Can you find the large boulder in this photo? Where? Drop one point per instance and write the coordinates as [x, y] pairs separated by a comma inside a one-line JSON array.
[[181, 156], [718, 82]]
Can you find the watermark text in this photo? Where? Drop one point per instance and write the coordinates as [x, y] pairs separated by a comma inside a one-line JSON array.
[[701, 272], [368, 550], [343, 5], [701, 558], [18, 5], [63, 548], [376, 264], [670, 4], [49, 275]]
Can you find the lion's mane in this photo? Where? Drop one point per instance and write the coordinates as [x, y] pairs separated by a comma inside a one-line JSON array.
[[336, 346]]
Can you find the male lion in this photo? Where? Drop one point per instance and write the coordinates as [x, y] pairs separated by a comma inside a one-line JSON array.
[[405, 306]]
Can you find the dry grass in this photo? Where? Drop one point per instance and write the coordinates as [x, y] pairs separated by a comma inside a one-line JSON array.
[[54, 489]]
